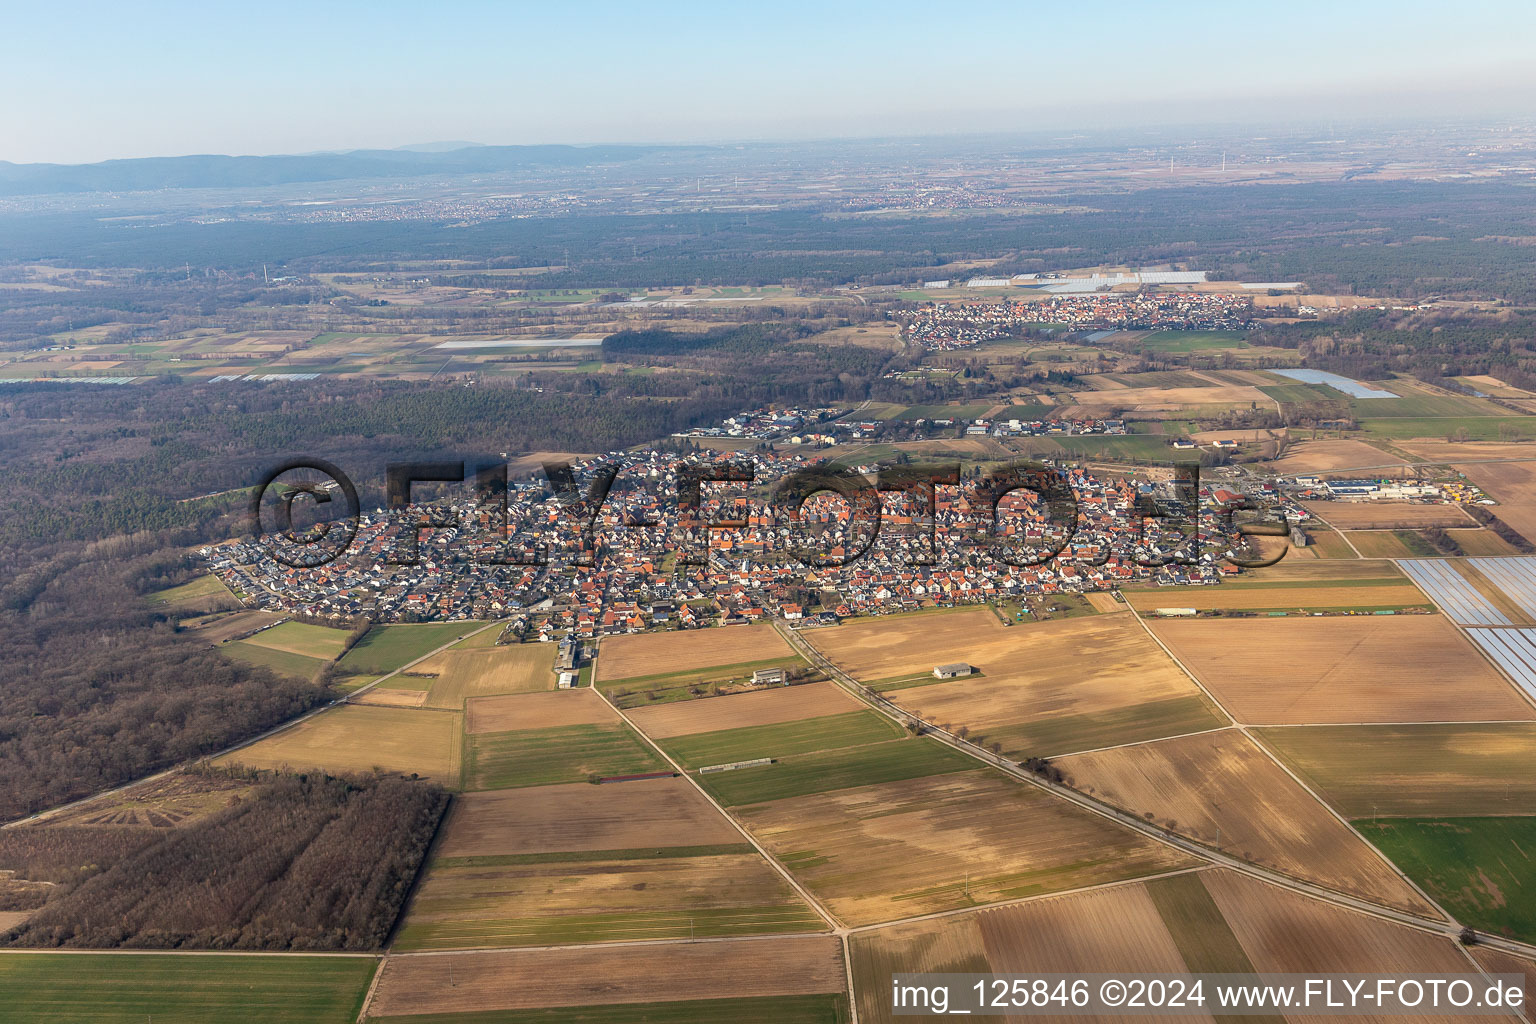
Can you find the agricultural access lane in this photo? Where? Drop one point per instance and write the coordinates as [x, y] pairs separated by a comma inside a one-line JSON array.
[[836, 926], [1449, 927]]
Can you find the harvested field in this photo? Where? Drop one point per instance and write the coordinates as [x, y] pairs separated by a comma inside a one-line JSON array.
[[1284, 932], [1146, 400], [1512, 484], [1496, 962], [882, 852], [1115, 929], [588, 977], [581, 816], [1103, 602], [1222, 790], [1386, 593], [1050, 687], [392, 698], [1295, 671], [1326, 456], [354, 738], [489, 671], [1482, 542], [565, 901], [1414, 770], [1387, 515], [237, 624], [737, 711], [1295, 570], [537, 711], [638, 655]]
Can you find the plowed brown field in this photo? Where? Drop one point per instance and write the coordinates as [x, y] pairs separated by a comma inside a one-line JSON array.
[[1222, 781], [660, 972], [538, 711], [581, 816], [1330, 670]]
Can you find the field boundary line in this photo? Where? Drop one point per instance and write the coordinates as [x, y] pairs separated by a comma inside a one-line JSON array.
[[1329, 808], [1139, 743], [1447, 926], [1467, 636], [1341, 533], [373, 983], [1036, 898], [826, 915]]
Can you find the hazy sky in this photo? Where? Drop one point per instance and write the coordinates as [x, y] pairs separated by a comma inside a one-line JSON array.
[[90, 81]]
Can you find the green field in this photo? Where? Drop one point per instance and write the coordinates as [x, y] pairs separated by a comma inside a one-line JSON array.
[[1129, 447], [1414, 770], [386, 648], [945, 412], [849, 730], [826, 770], [1476, 428], [67, 988], [302, 638], [1416, 406], [1192, 341], [816, 1009], [543, 757], [1482, 869], [278, 661], [205, 590]]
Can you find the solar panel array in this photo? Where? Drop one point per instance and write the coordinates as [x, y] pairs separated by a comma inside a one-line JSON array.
[[1515, 576], [1453, 593], [1513, 650]]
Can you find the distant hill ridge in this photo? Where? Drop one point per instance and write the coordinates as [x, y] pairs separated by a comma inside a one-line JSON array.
[[151, 173]]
